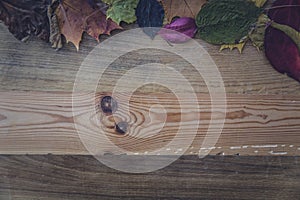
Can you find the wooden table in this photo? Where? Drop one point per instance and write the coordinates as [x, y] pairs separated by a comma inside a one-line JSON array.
[[42, 156]]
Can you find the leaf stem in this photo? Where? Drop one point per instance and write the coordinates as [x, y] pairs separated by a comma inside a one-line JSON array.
[[283, 6], [289, 31]]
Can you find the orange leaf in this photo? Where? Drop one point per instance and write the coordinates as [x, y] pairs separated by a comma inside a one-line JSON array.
[[182, 8], [78, 16]]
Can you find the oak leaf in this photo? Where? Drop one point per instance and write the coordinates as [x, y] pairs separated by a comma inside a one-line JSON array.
[[181, 8], [76, 17]]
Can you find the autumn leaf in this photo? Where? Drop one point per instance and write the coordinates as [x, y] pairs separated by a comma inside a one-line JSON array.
[[239, 46], [179, 31], [25, 18], [259, 3], [76, 17], [182, 8], [282, 37], [226, 21], [257, 34], [150, 13], [55, 37], [120, 10]]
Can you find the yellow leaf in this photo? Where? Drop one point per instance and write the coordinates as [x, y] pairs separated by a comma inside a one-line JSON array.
[[239, 46], [259, 3]]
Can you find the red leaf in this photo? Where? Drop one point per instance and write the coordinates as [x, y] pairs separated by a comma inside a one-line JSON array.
[[281, 51]]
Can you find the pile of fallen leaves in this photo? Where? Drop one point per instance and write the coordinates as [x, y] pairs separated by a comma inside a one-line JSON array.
[[229, 23], [49, 20]]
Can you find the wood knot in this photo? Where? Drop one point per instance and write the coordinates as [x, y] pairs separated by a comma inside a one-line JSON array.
[[241, 114]]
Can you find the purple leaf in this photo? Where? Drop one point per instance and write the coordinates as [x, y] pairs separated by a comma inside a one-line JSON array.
[[280, 49], [180, 30]]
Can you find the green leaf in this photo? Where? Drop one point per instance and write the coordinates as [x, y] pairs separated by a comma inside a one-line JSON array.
[[108, 1], [226, 21], [122, 10], [257, 34]]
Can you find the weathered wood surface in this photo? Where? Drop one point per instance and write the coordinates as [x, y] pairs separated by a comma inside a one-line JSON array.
[[35, 117], [36, 109], [35, 66], [42, 122], [215, 177]]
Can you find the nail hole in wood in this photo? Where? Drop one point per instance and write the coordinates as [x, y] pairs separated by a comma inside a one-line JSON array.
[[121, 127], [108, 105]]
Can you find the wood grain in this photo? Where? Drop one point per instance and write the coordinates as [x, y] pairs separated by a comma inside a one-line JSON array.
[[43, 122], [36, 118], [262, 116], [263, 105], [214, 177], [35, 66]]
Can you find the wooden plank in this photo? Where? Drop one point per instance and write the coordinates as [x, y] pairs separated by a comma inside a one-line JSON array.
[[214, 177], [263, 115], [43, 122], [36, 118], [35, 66]]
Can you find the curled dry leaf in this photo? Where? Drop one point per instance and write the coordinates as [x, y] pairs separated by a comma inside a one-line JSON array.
[[55, 35], [182, 8], [180, 30], [26, 18], [76, 17]]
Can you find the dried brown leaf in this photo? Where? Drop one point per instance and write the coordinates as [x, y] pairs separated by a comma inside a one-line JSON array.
[[182, 8], [25, 18], [76, 17]]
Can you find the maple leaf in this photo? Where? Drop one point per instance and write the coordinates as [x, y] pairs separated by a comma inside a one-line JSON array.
[[25, 18], [182, 8], [76, 17], [121, 10]]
